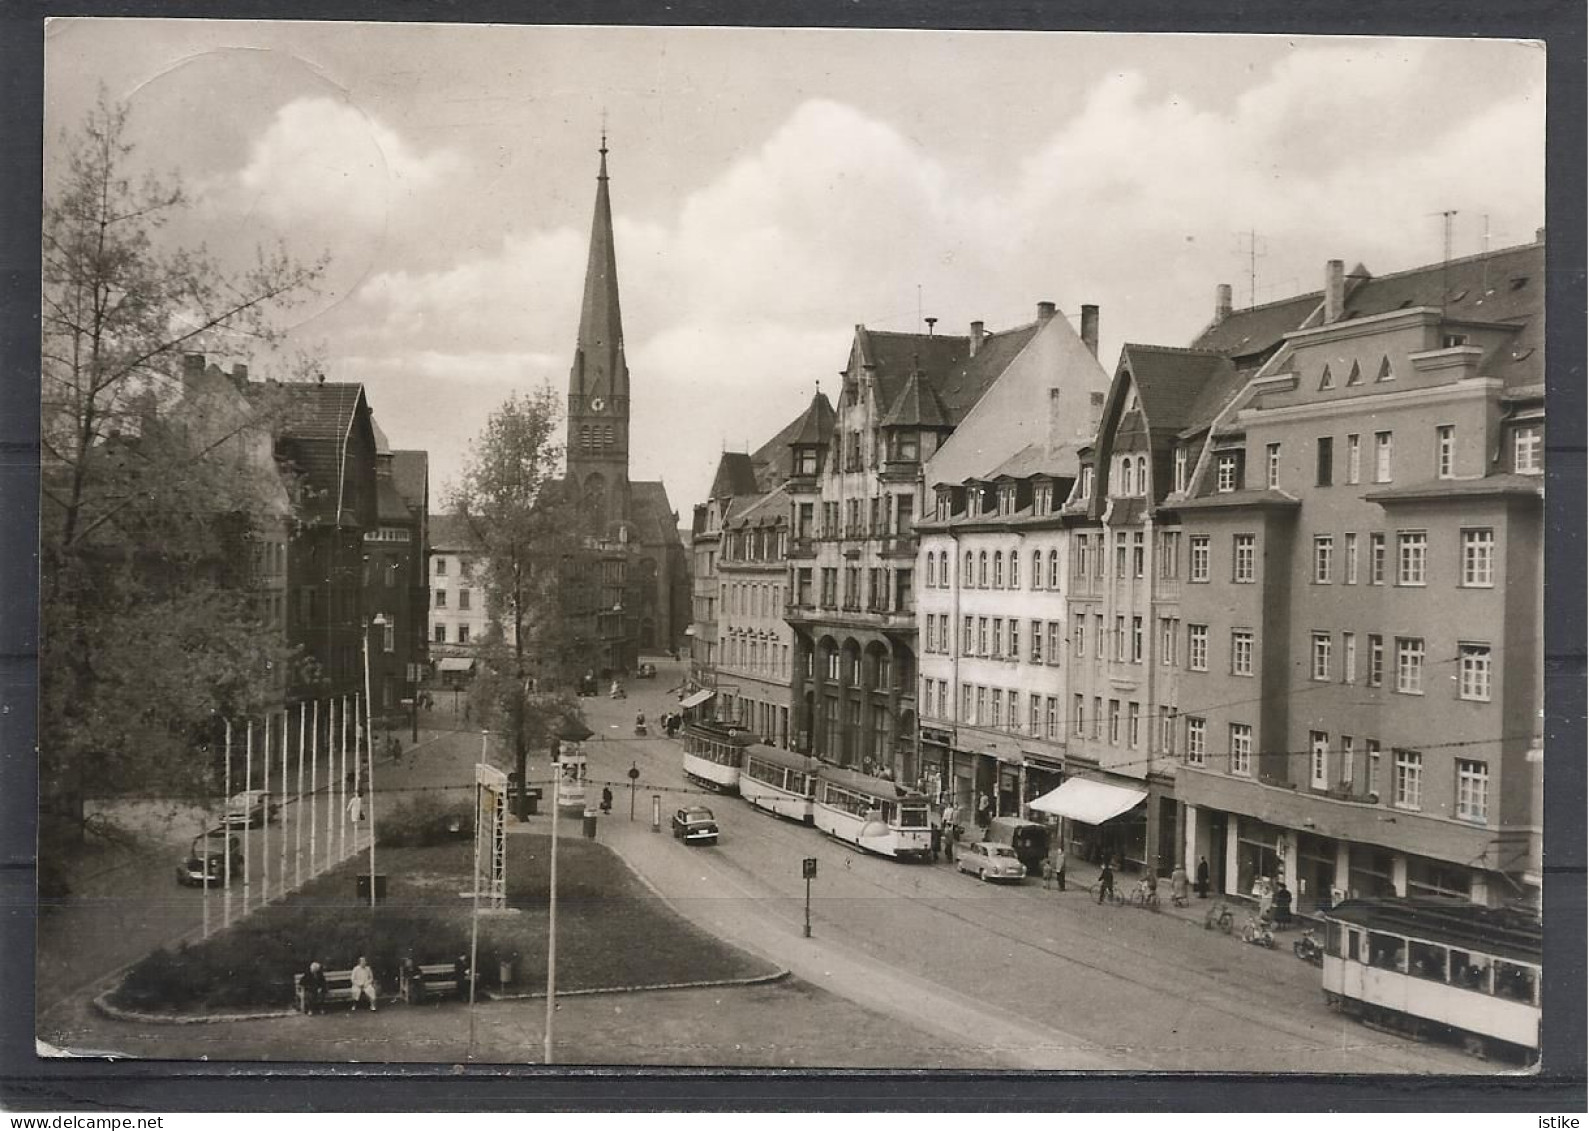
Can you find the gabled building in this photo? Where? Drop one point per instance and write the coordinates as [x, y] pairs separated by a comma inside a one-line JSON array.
[[991, 598], [394, 575]]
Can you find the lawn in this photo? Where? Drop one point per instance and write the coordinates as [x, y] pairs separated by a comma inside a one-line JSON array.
[[611, 932]]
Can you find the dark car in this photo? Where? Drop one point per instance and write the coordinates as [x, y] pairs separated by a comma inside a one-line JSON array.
[[208, 856], [646, 671], [694, 824]]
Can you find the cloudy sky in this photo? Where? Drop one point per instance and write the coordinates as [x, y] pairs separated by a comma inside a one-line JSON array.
[[774, 188]]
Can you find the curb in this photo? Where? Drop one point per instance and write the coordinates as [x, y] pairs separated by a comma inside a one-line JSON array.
[[117, 1013], [756, 980]]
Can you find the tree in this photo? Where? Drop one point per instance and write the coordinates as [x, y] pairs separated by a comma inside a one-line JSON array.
[[149, 632], [529, 531]]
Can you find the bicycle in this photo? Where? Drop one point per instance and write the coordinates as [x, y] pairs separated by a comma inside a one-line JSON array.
[[1115, 896], [1220, 916], [1145, 897]]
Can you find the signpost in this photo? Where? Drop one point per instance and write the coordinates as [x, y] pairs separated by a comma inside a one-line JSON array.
[[808, 869], [656, 812], [634, 775]]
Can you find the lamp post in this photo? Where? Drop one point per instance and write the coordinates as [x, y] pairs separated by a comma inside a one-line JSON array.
[[378, 621]]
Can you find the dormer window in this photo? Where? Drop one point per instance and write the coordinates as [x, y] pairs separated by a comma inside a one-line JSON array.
[[805, 461], [1228, 472], [1044, 499], [1528, 448], [1086, 483], [1006, 500], [1125, 476], [907, 446], [1452, 341], [1142, 475], [1180, 469]]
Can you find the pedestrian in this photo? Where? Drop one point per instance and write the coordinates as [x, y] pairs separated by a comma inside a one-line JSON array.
[[937, 841], [363, 984], [1282, 906], [1106, 881], [984, 810], [1059, 867], [606, 799], [460, 973], [1048, 873], [1202, 877], [356, 808], [314, 989], [1178, 885], [951, 834]]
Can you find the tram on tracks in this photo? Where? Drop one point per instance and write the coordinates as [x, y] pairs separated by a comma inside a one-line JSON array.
[[1437, 968], [713, 755], [779, 781], [872, 813]]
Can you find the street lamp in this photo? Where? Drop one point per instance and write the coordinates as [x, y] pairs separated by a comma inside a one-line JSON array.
[[378, 621]]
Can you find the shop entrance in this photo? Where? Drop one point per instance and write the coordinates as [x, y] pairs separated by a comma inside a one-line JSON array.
[[1257, 855]]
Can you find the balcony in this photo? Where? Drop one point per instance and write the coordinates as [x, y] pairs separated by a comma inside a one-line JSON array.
[[900, 546]]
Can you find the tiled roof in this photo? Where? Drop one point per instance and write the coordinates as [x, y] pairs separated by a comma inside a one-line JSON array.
[[1171, 382], [389, 504], [962, 387], [1035, 459], [893, 356], [1257, 330], [411, 473], [450, 533], [321, 410], [651, 512], [814, 426], [317, 421], [917, 406], [736, 475], [761, 510]]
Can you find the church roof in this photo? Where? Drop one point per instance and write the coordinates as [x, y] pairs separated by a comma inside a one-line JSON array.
[[652, 513], [599, 366]]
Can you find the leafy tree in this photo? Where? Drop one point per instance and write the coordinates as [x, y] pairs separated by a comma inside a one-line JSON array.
[[149, 635], [530, 532]]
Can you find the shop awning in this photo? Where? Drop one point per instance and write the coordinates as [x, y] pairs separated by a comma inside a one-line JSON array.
[[696, 699], [454, 664], [1087, 801]]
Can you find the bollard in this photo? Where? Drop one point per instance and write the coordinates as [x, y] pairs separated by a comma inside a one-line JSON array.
[[590, 824]]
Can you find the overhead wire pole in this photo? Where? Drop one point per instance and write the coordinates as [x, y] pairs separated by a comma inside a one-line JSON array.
[[264, 819], [297, 827], [281, 859], [474, 914], [226, 829], [248, 783], [314, 787], [551, 921]]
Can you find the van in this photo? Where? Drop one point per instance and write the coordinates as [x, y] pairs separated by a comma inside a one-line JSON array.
[[1028, 838]]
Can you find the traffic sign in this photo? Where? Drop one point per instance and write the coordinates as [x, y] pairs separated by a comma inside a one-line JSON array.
[[808, 868]]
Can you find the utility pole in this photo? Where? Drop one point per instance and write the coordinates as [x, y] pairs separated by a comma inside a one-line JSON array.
[[808, 869], [634, 775]]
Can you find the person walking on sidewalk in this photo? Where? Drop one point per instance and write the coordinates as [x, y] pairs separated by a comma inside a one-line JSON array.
[[951, 834], [1178, 885], [363, 984], [1106, 881], [1202, 877], [1059, 867]]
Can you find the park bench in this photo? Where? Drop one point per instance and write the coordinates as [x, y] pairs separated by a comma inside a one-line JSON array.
[[436, 980], [339, 989]]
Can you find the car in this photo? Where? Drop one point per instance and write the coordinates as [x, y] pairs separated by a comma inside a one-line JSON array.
[[208, 856], [251, 808], [991, 861], [646, 671], [694, 824]]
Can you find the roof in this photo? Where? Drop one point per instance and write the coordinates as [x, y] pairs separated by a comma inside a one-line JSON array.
[[814, 426], [1175, 385], [865, 783], [917, 406], [1496, 931], [390, 506], [957, 377], [1035, 459], [411, 474], [761, 510], [316, 422], [736, 475], [450, 533], [774, 756], [322, 410], [1257, 330], [1506, 483], [652, 513]]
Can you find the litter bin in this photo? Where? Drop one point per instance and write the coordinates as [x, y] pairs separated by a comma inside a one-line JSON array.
[[534, 803], [505, 972], [363, 887], [590, 824]]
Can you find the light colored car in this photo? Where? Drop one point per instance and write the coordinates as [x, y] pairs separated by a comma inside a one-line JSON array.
[[250, 808], [990, 861], [694, 824]]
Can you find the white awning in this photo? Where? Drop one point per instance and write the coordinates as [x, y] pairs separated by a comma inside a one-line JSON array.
[[455, 664], [697, 699], [1090, 802]]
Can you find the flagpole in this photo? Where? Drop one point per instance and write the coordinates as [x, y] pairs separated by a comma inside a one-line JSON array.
[[248, 841], [297, 825], [314, 788], [226, 829]]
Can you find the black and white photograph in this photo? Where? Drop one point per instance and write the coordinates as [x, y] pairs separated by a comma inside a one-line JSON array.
[[792, 548]]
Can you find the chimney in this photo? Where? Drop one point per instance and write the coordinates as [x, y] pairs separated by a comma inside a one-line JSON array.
[[976, 337], [1045, 311], [192, 366], [1089, 327], [1222, 304], [1539, 235], [1334, 291], [931, 322], [240, 375]]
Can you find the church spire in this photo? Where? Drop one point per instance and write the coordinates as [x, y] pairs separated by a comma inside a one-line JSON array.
[[599, 368]]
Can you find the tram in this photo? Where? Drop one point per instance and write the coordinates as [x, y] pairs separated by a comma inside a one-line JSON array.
[[713, 754], [871, 813], [1437, 968], [779, 781]]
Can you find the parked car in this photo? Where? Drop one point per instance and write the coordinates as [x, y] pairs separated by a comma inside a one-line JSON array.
[[251, 808], [208, 855], [991, 861], [646, 671], [694, 824], [1028, 838]]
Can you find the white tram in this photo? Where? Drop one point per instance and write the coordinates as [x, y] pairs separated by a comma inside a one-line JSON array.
[[1437, 968], [872, 813], [779, 781], [713, 754]]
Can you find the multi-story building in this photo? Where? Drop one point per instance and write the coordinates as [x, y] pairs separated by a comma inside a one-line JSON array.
[[991, 572], [1361, 684], [853, 598], [394, 575], [755, 643], [459, 618]]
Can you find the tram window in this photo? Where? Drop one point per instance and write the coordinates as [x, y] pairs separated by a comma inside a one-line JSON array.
[[1515, 981], [1388, 952], [1470, 971], [1426, 960], [1354, 945], [1332, 940], [913, 817]]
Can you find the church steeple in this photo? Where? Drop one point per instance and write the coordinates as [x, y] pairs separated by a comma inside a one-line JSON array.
[[598, 382]]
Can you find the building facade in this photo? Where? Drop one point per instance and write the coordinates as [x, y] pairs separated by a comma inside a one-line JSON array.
[[755, 643], [459, 618], [395, 576]]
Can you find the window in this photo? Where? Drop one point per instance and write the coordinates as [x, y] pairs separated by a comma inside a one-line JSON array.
[[1241, 749], [1478, 558], [968, 575], [1079, 705], [1051, 718], [1053, 568], [1126, 486], [1409, 665], [1014, 652], [1319, 759], [1376, 660], [441, 634], [1381, 457], [1241, 652], [1196, 740], [1323, 558], [1180, 469], [1354, 458], [997, 713], [1169, 627], [1136, 640], [1120, 553], [1197, 647], [1120, 639], [1244, 556], [1376, 559], [441, 567], [965, 703], [932, 571], [1198, 544], [1054, 640], [1321, 655], [1473, 791], [1037, 566], [982, 706], [1528, 446], [1348, 657], [1228, 472], [1473, 672], [1348, 757], [1170, 554], [1409, 779], [1114, 722], [441, 598], [1081, 635], [463, 634], [1133, 724], [967, 641], [1097, 715], [982, 570], [464, 598], [1138, 552], [998, 637], [1326, 461], [1015, 567], [1349, 552], [998, 569], [1445, 451], [1034, 714], [1167, 728], [1412, 549], [1272, 466], [1037, 642], [1097, 635], [982, 636]]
